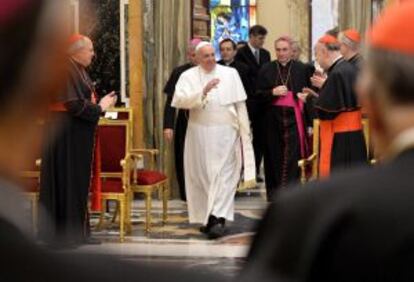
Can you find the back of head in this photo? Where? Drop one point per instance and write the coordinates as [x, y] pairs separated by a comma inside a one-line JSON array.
[[350, 37], [31, 70], [76, 42], [330, 42], [32, 43], [387, 85], [391, 52]]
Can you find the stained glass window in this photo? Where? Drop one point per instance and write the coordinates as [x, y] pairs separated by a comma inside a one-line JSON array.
[[231, 19]]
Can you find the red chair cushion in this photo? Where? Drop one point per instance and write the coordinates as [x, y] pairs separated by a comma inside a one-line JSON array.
[[112, 185], [149, 177]]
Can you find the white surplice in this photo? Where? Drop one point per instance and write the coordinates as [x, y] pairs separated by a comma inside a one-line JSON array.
[[218, 142]]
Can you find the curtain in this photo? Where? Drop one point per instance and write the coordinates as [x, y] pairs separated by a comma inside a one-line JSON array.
[[167, 29], [299, 25], [355, 14]]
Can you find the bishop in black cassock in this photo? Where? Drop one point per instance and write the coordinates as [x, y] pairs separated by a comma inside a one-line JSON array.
[[286, 121]]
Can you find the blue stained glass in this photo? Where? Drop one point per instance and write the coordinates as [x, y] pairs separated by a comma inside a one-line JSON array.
[[229, 21]]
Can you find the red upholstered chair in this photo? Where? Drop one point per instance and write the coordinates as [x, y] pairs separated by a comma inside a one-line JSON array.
[[115, 142], [119, 169], [147, 180]]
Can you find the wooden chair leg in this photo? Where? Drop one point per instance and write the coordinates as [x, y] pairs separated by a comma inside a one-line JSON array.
[[128, 214], [102, 216], [160, 194], [148, 206], [122, 207], [165, 196], [35, 213]]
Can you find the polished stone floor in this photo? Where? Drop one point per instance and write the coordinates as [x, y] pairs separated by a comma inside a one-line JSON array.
[[180, 243]]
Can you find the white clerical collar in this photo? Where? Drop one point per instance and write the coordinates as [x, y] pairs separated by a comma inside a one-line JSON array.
[[252, 48], [229, 63], [203, 71], [403, 142], [337, 59]]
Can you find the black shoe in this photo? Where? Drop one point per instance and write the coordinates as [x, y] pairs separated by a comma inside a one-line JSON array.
[[91, 241], [218, 230], [212, 220], [259, 179]]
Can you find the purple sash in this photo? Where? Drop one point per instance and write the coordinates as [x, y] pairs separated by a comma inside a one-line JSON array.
[[289, 101]]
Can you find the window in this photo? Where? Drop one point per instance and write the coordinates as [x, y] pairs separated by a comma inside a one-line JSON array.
[[231, 19]]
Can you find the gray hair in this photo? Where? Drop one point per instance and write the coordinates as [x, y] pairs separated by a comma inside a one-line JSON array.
[[76, 46], [345, 40]]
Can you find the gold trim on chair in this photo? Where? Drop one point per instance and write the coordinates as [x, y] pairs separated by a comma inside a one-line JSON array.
[[123, 199], [161, 186], [313, 159]]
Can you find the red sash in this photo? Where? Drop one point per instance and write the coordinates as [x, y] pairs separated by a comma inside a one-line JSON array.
[[57, 107], [289, 101], [344, 122]]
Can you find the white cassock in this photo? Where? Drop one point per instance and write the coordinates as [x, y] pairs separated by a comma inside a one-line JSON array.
[[217, 144]]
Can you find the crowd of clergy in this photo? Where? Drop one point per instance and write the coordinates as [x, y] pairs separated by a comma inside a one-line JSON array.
[[355, 224], [265, 108]]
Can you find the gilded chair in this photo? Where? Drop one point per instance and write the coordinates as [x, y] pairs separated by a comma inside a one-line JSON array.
[[309, 166], [147, 180], [139, 171], [115, 145], [31, 189]]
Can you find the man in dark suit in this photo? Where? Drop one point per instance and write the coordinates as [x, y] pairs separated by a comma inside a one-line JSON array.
[[228, 50], [255, 56], [357, 226]]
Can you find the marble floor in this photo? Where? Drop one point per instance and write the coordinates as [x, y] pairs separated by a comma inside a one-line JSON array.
[[180, 243]]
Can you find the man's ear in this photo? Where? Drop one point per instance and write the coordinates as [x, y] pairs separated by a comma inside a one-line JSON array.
[[374, 106]]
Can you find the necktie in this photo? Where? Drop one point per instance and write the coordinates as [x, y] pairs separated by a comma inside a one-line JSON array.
[[257, 56]]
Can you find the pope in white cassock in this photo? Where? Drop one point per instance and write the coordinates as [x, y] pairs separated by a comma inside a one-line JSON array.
[[218, 151]]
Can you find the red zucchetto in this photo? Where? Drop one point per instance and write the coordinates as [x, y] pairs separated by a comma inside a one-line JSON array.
[[394, 29], [328, 39], [352, 35]]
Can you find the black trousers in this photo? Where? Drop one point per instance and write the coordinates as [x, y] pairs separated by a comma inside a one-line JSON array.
[[256, 111]]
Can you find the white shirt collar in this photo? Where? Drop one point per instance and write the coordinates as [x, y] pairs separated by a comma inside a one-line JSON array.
[[337, 59], [252, 48]]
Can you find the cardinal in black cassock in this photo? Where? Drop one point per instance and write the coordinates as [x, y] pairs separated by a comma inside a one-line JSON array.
[[67, 162], [286, 121], [357, 226], [342, 143]]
